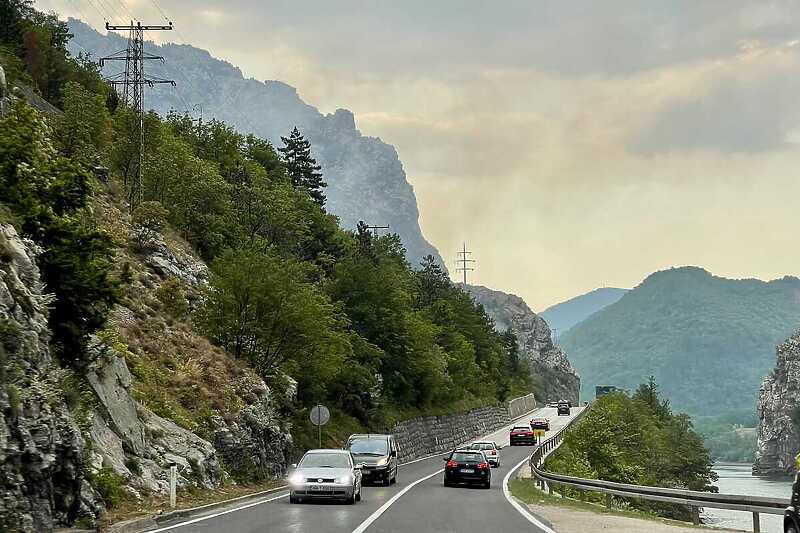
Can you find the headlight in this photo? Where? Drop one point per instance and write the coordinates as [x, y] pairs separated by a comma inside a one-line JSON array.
[[296, 479], [345, 480], [383, 462]]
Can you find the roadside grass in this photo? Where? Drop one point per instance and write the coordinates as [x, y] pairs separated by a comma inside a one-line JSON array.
[[155, 504], [526, 490]]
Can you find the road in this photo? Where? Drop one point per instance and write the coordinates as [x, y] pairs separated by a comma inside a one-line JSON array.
[[418, 502]]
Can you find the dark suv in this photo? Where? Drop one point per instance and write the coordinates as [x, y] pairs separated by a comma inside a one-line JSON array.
[[791, 516], [378, 453], [563, 409]]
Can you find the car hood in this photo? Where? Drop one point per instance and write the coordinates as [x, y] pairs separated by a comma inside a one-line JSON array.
[[323, 472], [369, 460]]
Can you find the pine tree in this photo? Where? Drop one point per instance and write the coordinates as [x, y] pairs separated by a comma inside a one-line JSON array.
[[302, 167]]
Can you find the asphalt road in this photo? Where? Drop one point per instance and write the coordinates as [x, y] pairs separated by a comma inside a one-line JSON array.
[[418, 502]]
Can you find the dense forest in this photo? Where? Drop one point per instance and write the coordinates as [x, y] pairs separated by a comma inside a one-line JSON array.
[[291, 294], [636, 439]]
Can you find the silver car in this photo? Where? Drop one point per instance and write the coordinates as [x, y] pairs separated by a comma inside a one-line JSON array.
[[325, 475]]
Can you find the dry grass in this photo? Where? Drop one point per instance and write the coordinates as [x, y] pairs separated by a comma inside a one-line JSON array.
[[156, 504]]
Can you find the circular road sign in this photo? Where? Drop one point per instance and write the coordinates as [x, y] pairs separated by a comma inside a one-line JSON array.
[[320, 415]]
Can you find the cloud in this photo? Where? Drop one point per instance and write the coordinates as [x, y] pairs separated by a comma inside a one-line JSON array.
[[571, 144]]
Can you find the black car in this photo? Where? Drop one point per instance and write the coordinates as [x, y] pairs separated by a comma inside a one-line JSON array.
[[467, 466], [563, 409], [378, 455], [791, 516]]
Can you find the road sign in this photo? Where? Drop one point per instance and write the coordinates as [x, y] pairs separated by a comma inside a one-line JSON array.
[[320, 415], [538, 433]]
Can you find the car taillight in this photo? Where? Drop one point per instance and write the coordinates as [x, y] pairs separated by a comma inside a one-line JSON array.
[[451, 464], [483, 466]]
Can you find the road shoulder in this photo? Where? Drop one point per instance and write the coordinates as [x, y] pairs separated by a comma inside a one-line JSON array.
[[572, 516]]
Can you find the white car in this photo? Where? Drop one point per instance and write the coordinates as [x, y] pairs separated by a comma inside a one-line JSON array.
[[326, 475], [490, 449]]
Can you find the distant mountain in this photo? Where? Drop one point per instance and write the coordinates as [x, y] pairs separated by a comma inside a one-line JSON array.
[[553, 375], [709, 341], [560, 317], [365, 177]]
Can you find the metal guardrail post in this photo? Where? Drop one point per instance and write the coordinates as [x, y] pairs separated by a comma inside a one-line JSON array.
[[695, 515], [756, 522]]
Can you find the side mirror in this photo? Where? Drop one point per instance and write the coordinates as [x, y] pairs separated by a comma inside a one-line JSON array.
[[294, 465], [445, 459], [359, 466], [393, 453]]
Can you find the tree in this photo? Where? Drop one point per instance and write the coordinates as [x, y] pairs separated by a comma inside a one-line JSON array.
[[149, 220], [301, 167], [261, 308], [49, 194], [83, 130]]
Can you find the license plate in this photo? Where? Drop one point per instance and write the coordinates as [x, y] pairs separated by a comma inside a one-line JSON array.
[[467, 471], [317, 488]]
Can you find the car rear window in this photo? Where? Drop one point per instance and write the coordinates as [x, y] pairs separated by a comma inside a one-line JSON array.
[[482, 446], [466, 456], [521, 428]]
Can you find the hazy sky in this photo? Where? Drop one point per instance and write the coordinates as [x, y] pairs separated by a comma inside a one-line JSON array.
[[571, 144]]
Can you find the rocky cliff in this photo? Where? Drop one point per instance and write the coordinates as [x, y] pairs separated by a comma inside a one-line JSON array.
[[66, 434], [779, 413], [553, 374], [42, 452], [365, 177]]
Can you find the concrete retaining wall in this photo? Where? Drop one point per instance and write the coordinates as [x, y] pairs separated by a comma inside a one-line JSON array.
[[519, 406], [423, 436]]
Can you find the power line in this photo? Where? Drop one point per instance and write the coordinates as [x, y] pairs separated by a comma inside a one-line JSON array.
[[464, 260], [132, 82]]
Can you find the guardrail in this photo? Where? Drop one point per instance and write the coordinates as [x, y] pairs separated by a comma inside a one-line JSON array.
[[694, 499]]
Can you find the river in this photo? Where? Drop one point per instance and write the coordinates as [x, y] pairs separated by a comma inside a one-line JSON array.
[[737, 479]]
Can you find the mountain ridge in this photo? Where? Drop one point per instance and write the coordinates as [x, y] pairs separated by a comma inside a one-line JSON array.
[[679, 325], [366, 179], [564, 315]]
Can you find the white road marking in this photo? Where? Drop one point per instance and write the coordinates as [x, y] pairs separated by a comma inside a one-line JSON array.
[[182, 524], [364, 525], [382, 509], [513, 501]]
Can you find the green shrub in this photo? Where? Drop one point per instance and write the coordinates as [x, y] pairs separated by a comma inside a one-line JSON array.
[[172, 295], [110, 487]]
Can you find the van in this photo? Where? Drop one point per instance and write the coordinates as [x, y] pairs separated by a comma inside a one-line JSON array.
[[378, 455]]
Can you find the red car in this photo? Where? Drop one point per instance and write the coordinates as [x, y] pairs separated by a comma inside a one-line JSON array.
[[541, 423], [521, 435]]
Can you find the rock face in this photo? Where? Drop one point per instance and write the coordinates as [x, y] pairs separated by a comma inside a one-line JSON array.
[[779, 413], [41, 448], [548, 363], [365, 177]]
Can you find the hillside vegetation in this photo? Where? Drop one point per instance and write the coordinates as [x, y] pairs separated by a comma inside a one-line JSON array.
[[635, 439], [321, 314], [709, 341]]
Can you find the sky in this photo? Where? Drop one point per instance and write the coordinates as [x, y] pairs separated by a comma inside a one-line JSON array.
[[572, 145]]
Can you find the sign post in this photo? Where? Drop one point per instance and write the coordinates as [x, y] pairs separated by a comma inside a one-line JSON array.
[[173, 475], [319, 417]]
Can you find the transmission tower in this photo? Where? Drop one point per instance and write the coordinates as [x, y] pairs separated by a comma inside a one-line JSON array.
[[464, 260], [130, 84]]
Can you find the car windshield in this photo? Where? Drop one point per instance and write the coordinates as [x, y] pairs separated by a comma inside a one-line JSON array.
[[325, 460], [482, 446], [369, 446], [466, 456]]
